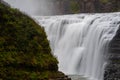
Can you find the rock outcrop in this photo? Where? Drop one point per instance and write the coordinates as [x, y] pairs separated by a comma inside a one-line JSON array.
[[112, 71]]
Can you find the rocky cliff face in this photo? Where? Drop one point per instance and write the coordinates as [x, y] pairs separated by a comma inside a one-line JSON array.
[[101, 6], [112, 71], [88, 6]]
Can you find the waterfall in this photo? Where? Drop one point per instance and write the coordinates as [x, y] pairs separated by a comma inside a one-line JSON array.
[[80, 41]]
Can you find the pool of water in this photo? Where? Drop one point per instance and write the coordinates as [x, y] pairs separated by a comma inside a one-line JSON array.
[[77, 77]]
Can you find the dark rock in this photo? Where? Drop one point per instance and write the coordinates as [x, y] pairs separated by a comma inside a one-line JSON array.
[[112, 70], [61, 76]]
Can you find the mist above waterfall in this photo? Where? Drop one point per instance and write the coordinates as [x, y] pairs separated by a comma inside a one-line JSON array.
[[34, 7]]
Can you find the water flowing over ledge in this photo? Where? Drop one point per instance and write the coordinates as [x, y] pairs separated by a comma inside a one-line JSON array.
[[80, 41]]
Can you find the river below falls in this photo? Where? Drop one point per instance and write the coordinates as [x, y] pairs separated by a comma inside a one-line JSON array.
[[77, 77]]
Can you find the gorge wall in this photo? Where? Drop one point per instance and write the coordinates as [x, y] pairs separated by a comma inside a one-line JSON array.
[[87, 6], [112, 71]]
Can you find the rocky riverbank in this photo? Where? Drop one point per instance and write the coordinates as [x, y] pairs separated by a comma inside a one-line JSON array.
[[61, 76]]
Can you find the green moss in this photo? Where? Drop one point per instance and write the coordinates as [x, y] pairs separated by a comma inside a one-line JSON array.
[[24, 49], [104, 1]]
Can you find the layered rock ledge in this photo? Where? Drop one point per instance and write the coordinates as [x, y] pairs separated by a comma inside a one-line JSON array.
[[112, 71]]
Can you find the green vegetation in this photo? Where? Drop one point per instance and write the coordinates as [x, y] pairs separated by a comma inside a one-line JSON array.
[[25, 53], [104, 1], [74, 6]]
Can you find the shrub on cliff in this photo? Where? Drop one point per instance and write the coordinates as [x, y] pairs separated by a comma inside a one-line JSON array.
[[25, 53]]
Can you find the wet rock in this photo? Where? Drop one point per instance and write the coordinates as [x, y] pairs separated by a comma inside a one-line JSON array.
[[61, 78], [112, 70]]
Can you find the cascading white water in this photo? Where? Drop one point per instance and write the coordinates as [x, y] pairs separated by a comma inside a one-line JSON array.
[[80, 41]]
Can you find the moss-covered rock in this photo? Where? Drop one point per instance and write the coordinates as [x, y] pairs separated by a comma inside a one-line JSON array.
[[25, 53]]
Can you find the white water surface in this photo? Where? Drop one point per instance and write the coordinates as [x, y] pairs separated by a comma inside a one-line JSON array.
[[80, 41]]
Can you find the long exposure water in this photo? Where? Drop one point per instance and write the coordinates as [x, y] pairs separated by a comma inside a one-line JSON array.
[[80, 41]]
